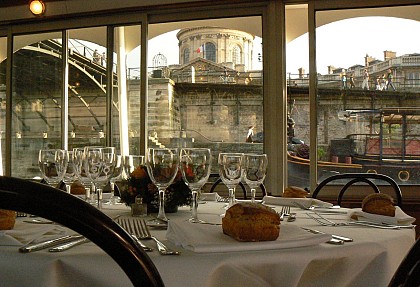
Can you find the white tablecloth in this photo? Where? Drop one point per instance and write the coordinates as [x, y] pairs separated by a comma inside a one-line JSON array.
[[370, 260]]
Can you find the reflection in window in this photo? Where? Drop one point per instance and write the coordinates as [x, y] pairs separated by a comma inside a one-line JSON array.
[[36, 102], [87, 89]]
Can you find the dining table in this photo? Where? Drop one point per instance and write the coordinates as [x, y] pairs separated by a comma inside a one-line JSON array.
[[208, 257]]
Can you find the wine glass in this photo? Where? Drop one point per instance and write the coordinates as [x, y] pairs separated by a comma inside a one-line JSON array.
[[162, 167], [107, 168], [195, 169], [254, 170], [230, 171], [115, 176], [93, 164], [69, 173], [53, 164], [79, 170], [131, 162]]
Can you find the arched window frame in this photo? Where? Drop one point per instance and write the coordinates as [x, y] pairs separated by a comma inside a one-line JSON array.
[[186, 55], [210, 51]]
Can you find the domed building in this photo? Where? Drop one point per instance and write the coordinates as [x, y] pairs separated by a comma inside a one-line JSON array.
[[228, 47]]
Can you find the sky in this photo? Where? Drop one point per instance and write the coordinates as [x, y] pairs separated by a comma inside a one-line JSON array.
[[341, 44], [345, 43]]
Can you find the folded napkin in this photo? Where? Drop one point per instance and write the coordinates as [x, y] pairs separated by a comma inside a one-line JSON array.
[[288, 201], [207, 196], [22, 233], [400, 218], [210, 238]]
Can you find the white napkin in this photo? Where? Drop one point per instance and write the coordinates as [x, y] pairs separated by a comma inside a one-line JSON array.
[[209, 196], [22, 234], [288, 201], [400, 218], [210, 238]]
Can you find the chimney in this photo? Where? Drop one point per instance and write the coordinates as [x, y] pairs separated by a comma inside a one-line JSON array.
[[388, 55], [331, 70], [301, 73], [368, 59]]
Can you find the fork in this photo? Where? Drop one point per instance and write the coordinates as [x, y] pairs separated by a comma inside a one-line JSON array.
[[126, 224], [145, 234], [284, 212], [326, 222]]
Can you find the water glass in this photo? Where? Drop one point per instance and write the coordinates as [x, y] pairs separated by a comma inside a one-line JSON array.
[[53, 164], [195, 165], [230, 171], [254, 171], [162, 167]]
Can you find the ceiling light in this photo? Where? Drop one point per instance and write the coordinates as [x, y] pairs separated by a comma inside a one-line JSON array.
[[37, 7]]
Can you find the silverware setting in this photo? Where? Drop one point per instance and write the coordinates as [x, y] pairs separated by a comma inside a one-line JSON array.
[[38, 221], [284, 212], [327, 222], [133, 231], [337, 237], [139, 230], [49, 243], [162, 248], [67, 246], [323, 209]]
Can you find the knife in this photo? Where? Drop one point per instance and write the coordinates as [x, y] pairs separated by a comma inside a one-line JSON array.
[[68, 245], [48, 243], [338, 237]]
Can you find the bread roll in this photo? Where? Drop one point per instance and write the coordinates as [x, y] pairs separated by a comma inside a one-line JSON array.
[[77, 188], [247, 221], [294, 191], [7, 219], [379, 203]]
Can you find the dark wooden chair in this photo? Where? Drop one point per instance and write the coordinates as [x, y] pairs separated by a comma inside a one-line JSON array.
[[54, 204], [408, 272], [352, 178]]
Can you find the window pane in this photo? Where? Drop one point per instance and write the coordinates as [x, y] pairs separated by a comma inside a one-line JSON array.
[[36, 100], [368, 104], [209, 100], [127, 58], [297, 68], [87, 87]]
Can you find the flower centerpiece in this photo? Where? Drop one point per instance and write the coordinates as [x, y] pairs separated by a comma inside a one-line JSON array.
[[139, 184]]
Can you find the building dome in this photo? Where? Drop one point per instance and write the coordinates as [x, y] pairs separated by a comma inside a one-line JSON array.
[[223, 46]]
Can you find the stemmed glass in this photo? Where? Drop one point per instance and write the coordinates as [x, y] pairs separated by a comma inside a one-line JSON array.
[[230, 171], [93, 165], [115, 176], [195, 169], [53, 164], [107, 169], [69, 173], [254, 170], [131, 162], [162, 167], [78, 161]]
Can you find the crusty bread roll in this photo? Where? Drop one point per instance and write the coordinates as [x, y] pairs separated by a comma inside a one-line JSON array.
[[247, 221], [7, 219], [77, 188], [379, 203], [294, 191]]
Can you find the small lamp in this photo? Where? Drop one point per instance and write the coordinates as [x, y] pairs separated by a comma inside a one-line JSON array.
[[37, 7]]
